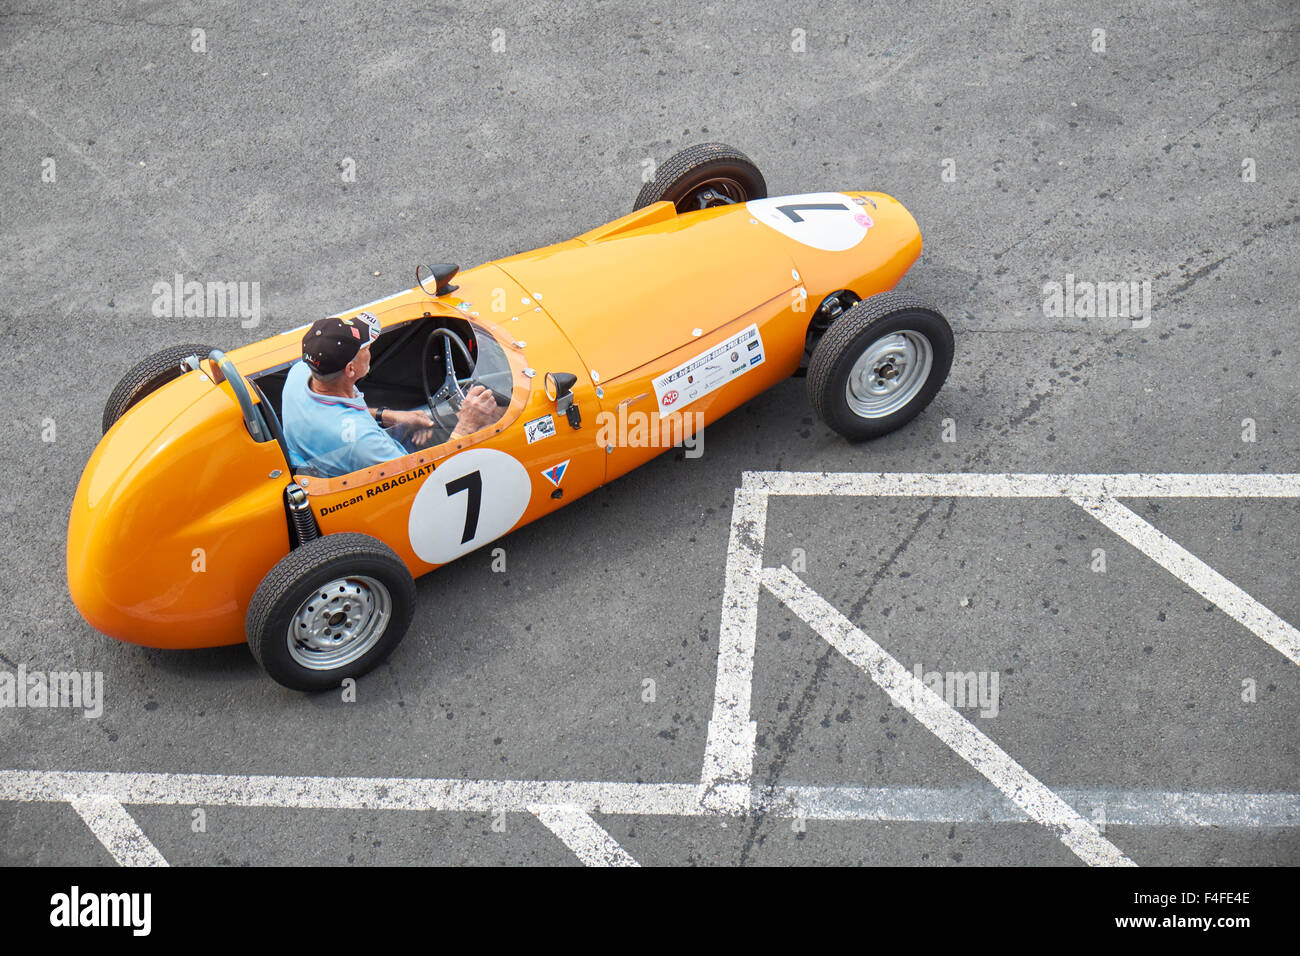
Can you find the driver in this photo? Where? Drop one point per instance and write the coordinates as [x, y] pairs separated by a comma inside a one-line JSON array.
[[326, 422]]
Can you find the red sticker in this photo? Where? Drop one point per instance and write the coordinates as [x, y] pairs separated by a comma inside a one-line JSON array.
[[670, 397]]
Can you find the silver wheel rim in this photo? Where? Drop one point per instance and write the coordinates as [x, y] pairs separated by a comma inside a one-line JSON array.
[[339, 622], [889, 373]]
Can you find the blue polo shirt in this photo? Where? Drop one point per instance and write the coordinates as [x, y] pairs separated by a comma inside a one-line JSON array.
[[332, 435]]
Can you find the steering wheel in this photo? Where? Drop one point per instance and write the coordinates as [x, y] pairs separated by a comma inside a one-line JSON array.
[[444, 404]]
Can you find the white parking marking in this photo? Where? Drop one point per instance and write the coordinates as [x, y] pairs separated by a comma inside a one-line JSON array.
[[352, 793], [943, 720], [987, 805], [583, 835], [968, 804], [726, 786], [729, 750], [1195, 573], [116, 829], [913, 484]]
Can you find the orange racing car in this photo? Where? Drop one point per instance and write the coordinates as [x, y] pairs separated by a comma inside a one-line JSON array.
[[194, 526]]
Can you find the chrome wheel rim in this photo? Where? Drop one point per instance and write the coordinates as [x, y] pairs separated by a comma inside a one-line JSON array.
[[339, 622], [889, 373]]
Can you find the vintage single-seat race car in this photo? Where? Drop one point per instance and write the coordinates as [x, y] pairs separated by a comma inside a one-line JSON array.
[[192, 527]]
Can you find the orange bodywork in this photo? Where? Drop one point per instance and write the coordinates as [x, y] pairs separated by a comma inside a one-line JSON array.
[[180, 512]]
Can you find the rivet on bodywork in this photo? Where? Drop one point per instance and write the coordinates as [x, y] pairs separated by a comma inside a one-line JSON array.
[[600, 392], [277, 473], [530, 372], [595, 376]]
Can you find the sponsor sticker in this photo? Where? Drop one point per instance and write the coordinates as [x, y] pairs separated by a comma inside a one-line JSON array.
[[700, 375], [540, 428], [555, 474]]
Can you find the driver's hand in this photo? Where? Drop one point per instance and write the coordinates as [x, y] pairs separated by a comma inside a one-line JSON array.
[[478, 410], [415, 418]]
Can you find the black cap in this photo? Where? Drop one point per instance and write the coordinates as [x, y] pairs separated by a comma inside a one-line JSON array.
[[330, 344]]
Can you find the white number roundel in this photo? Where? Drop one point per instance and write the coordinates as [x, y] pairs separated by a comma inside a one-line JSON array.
[[829, 221], [470, 499]]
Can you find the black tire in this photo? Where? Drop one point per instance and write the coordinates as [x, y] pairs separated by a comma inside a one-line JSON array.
[[287, 587], [707, 166], [149, 376], [853, 334]]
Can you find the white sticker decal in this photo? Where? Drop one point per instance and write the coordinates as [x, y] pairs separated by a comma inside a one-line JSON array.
[[539, 428], [470, 499], [709, 370], [829, 221]]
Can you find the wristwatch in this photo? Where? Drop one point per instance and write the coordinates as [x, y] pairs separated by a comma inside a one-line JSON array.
[[379, 413]]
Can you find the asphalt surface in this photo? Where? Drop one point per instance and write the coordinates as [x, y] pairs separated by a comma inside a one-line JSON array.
[[1122, 165]]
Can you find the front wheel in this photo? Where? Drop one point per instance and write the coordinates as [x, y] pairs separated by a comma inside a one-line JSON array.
[[331, 609], [879, 364]]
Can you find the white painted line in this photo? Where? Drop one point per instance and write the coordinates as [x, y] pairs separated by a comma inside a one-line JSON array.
[[943, 720], [115, 828], [1139, 808], [583, 835], [954, 805], [729, 750], [352, 793], [1195, 573], [914, 484]]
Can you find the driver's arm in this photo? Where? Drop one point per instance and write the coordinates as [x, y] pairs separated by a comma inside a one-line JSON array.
[[414, 418], [477, 411]]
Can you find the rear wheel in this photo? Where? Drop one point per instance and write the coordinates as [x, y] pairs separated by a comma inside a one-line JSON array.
[[149, 376], [710, 174], [331, 609], [879, 364]]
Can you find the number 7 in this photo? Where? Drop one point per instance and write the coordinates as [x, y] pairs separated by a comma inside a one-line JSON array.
[[792, 211], [473, 483]]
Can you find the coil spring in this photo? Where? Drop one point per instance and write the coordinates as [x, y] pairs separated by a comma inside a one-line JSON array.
[[304, 525]]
